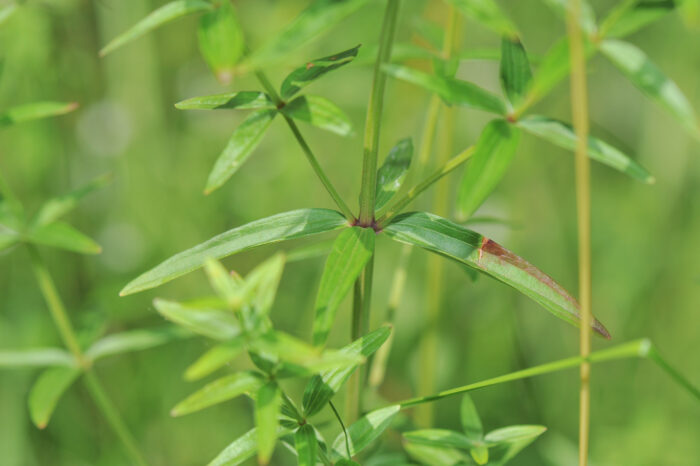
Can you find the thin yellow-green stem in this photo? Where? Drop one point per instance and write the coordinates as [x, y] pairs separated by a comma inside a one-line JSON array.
[[579, 107], [70, 339]]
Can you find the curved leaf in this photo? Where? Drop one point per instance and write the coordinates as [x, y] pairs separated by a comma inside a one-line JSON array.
[[562, 134], [280, 227], [365, 430], [223, 389], [235, 100], [319, 112], [165, 14], [448, 239], [35, 111], [393, 171], [305, 75], [471, 422], [46, 392]]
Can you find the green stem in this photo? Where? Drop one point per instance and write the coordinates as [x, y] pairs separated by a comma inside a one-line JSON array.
[[70, 339], [111, 414], [342, 425], [639, 348], [313, 161], [374, 115], [407, 198]]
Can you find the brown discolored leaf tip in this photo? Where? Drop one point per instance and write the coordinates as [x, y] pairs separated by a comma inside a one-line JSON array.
[[41, 425]]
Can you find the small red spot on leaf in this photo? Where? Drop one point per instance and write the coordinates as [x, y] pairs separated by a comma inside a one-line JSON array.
[[309, 65]]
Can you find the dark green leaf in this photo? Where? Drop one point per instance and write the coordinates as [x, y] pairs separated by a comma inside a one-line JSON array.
[[316, 19], [305, 75], [217, 357], [471, 422], [563, 135], [305, 444], [223, 389], [365, 430], [393, 171], [235, 100], [280, 227], [133, 340], [221, 41], [455, 242], [267, 408], [243, 141], [46, 392], [634, 64], [351, 251], [35, 111], [63, 236], [213, 323], [486, 13], [36, 357], [630, 16], [319, 112], [57, 207], [493, 154], [168, 12], [452, 91], [515, 70], [322, 387]]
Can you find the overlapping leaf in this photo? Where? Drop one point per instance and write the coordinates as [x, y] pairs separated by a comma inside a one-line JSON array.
[[365, 430], [242, 100], [308, 73], [204, 320]]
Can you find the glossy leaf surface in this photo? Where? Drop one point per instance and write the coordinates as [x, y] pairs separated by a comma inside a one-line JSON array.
[[242, 100], [365, 430]]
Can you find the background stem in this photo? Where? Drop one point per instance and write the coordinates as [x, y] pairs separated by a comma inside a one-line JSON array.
[[579, 109]]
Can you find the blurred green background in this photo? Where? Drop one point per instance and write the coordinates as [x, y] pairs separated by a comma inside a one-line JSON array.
[[646, 246]]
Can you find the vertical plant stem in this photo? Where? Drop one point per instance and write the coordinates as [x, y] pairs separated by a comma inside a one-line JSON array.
[[70, 339], [579, 108], [435, 267], [310, 157]]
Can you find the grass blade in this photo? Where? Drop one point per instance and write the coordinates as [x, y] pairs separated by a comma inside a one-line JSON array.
[[243, 141], [562, 134], [63, 236], [235, 100], [212, 323], [392, 173], [165, 14], [267, 408], [35, 111], [493, 154], [305, 75], [134, 340], [280, 227], [35, 357], [474, 250], [221, 41], [305, 445], [351, 251], [320, 112], [365, 430], [223, 389], [46, 392]]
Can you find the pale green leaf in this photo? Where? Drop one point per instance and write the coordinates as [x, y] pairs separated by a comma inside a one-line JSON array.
[[320, 112], [262, 282], [351, 251], [242, 100], [55, 208], [393, 171], [241, 449], [242, 143], [515, 70], [644, 74], [440, 438], [280, 227], [213, 323], [305, 444], [224, 284], [305, 75], [586, 19], [165, 14], [630, 16], [134, 340], [6, 11], [493, 154], [35, 111], [221, 41], [365, 430], [214, 359], [46, 392], [486, 13], [223, 389], [485, 255], [471, 422], [267, 408], [322, 387], [562, 134], [513, 440], [36, 357], [63, 236], [436, 456]]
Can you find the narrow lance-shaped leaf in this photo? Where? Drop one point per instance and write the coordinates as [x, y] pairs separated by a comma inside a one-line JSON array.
[[305, 75], [280, 227], [393, 171], [487, 13], [243, 141], [439, 438], [470, 248], [262, 283], [630, 16], [634, 64], [493, 154], [320, 112], [316, 19], [452, 91], [35, 111], [63, 236], [515, 70], [351, 251], [514, 439], [46, 392], [217, 357], [435, 456], [134, 340], [305, 444], [267, 408], [365, 430], [165, 14], [242, 100], [36, 357], [241, 449], [207, 321], [225, 286], [57, 207], [562, 134], [221, 41], [471, 424], [323, 386], [223, 389]]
